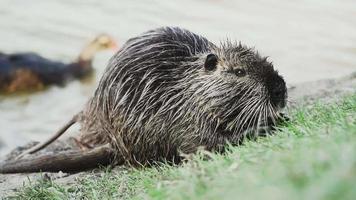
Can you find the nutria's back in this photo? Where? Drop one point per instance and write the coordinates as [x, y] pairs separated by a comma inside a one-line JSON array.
[[169, 91]]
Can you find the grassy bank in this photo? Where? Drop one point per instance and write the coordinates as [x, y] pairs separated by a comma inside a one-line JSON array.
[[311, 157]]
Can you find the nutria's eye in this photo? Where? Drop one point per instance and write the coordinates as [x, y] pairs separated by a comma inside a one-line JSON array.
[[211, 62], [240, 72]]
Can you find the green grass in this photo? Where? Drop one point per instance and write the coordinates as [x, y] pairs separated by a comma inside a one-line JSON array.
[[311, 157]]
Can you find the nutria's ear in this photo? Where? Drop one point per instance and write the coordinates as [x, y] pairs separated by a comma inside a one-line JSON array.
[[211, 61]]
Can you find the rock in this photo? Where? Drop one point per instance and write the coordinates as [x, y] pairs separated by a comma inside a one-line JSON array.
[[321, 90]]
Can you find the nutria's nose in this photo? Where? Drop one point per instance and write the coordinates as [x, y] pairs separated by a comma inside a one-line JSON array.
[[277, 91], [278, 95]]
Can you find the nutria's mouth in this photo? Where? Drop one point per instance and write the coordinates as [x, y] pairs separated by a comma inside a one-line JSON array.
[[259, 128]]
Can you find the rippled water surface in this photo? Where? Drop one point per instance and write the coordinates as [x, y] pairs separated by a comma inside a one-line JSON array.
[[306, 40]]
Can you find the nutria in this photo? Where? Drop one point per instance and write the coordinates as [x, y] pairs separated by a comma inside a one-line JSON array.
[[166, 93]]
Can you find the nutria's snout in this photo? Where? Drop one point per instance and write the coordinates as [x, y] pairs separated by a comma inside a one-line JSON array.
[[277, 90]]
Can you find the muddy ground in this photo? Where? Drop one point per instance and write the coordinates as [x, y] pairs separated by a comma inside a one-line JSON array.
[[304, 93]]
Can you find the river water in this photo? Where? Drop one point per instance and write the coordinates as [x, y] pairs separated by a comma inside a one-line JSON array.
[[306, 40]]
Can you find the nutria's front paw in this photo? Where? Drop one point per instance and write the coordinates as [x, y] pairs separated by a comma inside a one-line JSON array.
[[283, 118]]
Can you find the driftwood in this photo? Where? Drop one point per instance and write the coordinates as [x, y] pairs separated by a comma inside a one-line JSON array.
[[66, 161]]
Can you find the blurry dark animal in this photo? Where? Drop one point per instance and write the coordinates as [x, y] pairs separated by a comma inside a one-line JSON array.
[[166, 93], [30, 71]]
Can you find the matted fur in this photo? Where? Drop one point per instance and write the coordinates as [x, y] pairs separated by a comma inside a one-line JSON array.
[[156, 99]]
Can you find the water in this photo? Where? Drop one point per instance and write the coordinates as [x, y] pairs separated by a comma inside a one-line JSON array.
[[306, 40]]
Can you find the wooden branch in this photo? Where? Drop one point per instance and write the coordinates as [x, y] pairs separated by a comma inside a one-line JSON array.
[[66, 161]]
